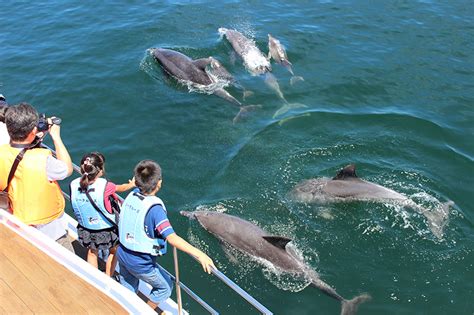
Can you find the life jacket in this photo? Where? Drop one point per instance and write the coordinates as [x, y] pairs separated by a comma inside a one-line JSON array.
[[85, 213], [34, 199], [132, 225]]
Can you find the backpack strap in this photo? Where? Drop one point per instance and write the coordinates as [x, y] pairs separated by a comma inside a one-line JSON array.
[[17, 161], [96, 207]]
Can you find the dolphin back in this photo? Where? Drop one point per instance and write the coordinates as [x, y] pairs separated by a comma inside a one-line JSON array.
[[344, 186], [253, 58], [277, 51], [181, 66]]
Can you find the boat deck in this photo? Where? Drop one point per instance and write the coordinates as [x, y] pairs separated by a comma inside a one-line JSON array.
[[32, 282]]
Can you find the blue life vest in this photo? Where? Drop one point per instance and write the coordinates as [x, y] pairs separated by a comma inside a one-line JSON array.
[[85, 213], [132, 225]]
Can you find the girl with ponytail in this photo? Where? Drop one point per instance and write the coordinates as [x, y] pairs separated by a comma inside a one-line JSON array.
[[96, 208]]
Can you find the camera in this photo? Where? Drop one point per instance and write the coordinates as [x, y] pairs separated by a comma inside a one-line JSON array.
[[43, 124]]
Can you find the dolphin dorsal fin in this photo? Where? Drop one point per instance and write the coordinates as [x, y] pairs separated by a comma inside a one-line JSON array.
[[202, 63], [278, 241], [347, 172]]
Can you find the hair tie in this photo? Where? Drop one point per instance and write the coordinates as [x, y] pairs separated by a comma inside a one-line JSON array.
[[87, 161], [85, 173]]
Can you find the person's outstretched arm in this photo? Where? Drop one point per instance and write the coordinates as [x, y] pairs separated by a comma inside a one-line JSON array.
[[61, 152], [125, 187], [181, 244]]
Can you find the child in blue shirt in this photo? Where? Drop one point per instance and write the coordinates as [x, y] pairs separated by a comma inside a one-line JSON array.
[[144, 231]]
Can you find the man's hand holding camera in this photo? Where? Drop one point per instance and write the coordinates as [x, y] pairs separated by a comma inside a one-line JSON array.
[[54, 128], [52, 125]]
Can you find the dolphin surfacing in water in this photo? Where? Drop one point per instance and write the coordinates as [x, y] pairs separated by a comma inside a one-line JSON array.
[[252, 240], [257, 64], [346, 186], [200, 73], [277, 51], [254, 60]]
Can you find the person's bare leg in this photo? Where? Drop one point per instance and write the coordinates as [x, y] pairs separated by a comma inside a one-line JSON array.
[[111, 262], [92, 255]]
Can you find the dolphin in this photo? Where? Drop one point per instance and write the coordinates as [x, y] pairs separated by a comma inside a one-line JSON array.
[[254, 241], [254, 60], [257, 64], [277, 51], [346, 186], [204, 72]]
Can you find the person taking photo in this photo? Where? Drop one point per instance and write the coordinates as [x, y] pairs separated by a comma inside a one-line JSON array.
[[34, 194]]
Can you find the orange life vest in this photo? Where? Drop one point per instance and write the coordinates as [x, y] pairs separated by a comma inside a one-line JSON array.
[[33, 198]]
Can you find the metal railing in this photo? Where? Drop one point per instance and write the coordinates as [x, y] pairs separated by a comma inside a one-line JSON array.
[[179, 285]]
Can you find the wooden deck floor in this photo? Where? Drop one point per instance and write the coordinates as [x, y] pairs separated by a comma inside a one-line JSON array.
[[32, 282]]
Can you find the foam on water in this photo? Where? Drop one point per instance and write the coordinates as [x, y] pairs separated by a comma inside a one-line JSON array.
[[255, 62]]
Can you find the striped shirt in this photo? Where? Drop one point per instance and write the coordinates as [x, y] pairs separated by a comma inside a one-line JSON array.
[[157, 223]]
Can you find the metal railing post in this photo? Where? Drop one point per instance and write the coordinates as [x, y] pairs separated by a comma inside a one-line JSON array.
[[178, 287]]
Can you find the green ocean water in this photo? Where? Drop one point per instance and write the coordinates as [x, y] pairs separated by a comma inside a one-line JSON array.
[[387, 85]]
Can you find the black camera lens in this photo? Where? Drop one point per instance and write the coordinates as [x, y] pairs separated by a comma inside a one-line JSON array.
[[42, 123]]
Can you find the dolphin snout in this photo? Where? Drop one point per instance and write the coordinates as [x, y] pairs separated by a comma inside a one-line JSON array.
[[187, 214]]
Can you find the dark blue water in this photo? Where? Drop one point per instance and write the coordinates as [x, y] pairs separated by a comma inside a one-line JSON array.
[[387, 85]]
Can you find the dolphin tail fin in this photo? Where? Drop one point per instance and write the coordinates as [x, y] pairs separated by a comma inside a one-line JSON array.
[[438, 218], [295, 79], [247, 93], [288, 106], [244, 110], [349, 307], [187, 214]]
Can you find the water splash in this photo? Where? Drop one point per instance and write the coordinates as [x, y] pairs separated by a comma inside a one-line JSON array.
[[219, 207], [150, 66]]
